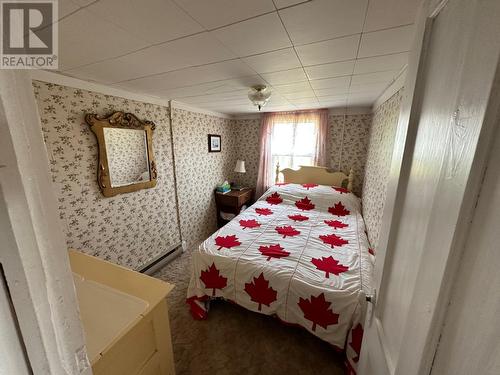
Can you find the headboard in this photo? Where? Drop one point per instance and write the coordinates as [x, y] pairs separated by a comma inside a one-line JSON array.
[[315, 175]]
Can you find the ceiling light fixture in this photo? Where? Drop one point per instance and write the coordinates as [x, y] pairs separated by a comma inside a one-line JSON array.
[[259, 95]]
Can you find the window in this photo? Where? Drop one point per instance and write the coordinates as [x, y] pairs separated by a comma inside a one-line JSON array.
[[292, 139], [292, 145]]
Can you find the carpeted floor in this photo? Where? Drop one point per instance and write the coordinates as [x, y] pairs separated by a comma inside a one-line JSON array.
[[236, 341]]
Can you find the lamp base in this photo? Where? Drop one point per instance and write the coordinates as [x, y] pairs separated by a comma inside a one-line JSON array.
[[237, 187]]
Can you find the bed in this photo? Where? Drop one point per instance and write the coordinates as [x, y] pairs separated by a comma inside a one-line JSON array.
[[299, 253]]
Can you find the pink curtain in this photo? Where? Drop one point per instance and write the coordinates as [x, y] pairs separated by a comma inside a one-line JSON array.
[[321, 156], [263, 176], [320, 117]]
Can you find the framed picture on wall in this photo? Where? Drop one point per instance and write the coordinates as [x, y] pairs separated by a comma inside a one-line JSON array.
[[214, 143]]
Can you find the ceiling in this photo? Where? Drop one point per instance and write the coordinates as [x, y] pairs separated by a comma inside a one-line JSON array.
[[206, 53]]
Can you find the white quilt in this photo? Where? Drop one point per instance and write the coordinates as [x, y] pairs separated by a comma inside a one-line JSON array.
[[300, 253]]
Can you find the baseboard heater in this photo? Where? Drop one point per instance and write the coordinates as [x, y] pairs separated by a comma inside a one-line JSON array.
[[161, 260]]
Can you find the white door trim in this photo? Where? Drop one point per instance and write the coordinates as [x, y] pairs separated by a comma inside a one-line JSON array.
[[34, 252]]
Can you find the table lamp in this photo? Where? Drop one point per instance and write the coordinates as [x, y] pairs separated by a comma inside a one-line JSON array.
[[239, 168]]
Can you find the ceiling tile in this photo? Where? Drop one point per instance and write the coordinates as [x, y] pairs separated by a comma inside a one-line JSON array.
[[334, 104], [293, 88], [190, 51], [402, 12], [361, 100], [304, 101], [220, 100], [159, 21], [338, 83], [368, 88], [324, 19], [257, 35], [300, 94], [216, 13], [285, 76], [333, 98], [381, 63], [100, 40], [386, 42], [273, 61], [286, 3], [311, 105], [331, 91], [369, 78], [337, 69], [333, 50], [192, 76], [241, 84]]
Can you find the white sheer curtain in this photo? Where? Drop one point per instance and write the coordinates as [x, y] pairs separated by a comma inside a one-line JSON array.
[[291, 139]]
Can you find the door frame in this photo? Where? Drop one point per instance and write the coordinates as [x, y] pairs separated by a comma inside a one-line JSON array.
[[34, 254], [426, 308]]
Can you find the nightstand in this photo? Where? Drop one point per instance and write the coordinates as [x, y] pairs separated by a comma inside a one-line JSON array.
[[232, 202]]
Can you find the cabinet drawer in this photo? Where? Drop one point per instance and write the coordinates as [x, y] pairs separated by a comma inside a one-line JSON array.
[[245, 198], [152, 367], [131, 352], [226, 199]]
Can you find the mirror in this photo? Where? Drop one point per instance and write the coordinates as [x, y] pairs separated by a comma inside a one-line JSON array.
[[126, 160], [127, 152]]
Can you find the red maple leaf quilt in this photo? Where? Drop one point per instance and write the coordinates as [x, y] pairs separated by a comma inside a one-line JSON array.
[[298, 253]]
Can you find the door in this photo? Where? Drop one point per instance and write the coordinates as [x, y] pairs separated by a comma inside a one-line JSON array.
[[440, 151], [470, 338]]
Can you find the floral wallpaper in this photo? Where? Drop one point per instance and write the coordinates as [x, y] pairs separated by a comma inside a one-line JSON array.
[[247, 138], [380, 147], [198, 171], [348, 145], [127, 153], [128, 229]]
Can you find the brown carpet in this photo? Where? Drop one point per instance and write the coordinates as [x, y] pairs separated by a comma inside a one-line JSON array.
[[237, 341]]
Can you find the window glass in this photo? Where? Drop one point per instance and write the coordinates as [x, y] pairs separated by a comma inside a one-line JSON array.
[[292, 145]]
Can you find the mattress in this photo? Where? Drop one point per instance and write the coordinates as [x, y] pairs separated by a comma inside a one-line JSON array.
[[299, 253]]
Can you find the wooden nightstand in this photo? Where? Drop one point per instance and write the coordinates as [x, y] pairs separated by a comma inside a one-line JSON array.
[[232, 202]]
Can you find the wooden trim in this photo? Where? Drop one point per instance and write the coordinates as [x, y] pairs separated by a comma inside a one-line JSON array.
[[316, 175], [120, 120]]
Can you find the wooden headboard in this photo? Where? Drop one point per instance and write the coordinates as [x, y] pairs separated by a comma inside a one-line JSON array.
[[315, 175]]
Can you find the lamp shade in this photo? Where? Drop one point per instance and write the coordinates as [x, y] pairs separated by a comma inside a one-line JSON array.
[[240, 166]]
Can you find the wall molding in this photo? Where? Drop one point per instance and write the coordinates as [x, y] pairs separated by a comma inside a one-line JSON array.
[[350, 111], [63, 80], [393, 88], [331, 111], [180, 105]]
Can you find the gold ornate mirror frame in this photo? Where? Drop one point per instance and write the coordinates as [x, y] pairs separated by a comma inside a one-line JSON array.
[[120, 120]]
